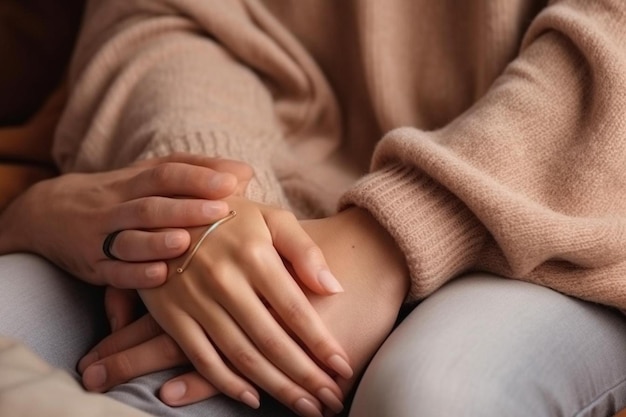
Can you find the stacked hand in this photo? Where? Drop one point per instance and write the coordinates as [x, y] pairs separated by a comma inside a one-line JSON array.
[[66, 219], [360, 253], [253, 307]]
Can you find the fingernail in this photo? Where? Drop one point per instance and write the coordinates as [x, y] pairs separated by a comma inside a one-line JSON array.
[[217, 180], [328, 281], [340, 366], [306, 408], [95, 376], [250, 400], [330, 399], [213, 208], [174, 391], [153, 271], [88, 359], [174, 240]]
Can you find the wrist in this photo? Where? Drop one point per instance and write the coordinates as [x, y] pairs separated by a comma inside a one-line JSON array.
[[355, 237]]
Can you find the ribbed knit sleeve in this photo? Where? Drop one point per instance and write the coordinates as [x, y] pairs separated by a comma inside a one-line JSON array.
[[529, 182], [151, 77]]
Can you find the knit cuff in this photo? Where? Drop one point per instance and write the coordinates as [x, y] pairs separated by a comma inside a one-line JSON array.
[[439, 235], [264, 186]]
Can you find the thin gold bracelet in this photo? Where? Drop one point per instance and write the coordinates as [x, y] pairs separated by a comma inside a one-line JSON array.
[[211, 228]]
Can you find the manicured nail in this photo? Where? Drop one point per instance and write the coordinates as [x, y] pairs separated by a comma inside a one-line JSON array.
[[330, 400], [153, 271], [174, 391], [174, 240], [340, 366], [250, 400], [306, 408], [328, 281], [217, 180], [88, 359], [211, 208], [95, 376]]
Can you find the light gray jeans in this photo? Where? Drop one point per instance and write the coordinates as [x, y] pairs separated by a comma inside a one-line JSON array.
[[480, 346]]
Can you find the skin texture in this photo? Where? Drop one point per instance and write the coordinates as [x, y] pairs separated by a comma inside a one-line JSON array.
[[225, 293], [65, 219], [369, 267]]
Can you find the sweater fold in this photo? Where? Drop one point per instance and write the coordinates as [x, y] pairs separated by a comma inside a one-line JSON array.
[[486, 135]]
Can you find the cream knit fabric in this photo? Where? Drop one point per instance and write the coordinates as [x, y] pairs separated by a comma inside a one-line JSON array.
[[31, 387], [493, 131]]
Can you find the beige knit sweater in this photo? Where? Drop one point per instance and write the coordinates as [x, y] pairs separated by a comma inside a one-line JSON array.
[[488, 134]]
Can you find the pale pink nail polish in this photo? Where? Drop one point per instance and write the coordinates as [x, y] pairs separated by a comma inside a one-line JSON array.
[[216, 181], [306, 408], [341, 366], [328, 281], [153, 271], [250, 400], [330, 400], [211, 209], [174, 240]]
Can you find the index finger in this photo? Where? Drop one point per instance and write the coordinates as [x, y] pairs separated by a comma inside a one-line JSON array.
[[180, 179], [239, 169], [136, 333]]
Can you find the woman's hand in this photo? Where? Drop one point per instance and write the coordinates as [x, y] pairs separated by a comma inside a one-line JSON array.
[[66, 219], [373, 272], [363, 256], [222, 303]]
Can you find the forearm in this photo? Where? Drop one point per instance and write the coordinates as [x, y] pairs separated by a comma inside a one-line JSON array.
[[356, 245], [160, 77], [527, 183], [374, 275]]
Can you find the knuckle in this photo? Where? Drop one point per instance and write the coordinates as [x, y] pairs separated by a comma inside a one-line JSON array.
[[170, 350], [281, 215], [109, 347], [310, 378], [273, 346], [296, 315], [151, 327], [146, 210], [186, 209], [142, 208], [313, 252], [256, 252], [203, 362], [245, 360], [161, 174], [287, 391], [155, 242], [120, 368], [322, 347]]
